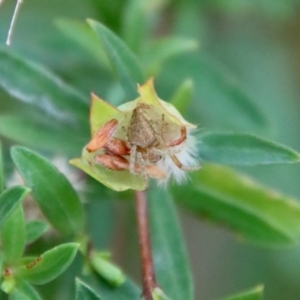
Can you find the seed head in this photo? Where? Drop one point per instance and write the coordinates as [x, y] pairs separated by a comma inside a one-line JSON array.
[[141, 139]]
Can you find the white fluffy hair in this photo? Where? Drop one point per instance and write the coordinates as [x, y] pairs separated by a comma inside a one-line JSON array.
[[187, 154]]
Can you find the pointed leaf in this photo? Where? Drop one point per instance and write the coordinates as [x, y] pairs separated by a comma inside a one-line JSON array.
[[34, 230], [49, 265], [171, 267], [258, 215], [244, 149], [223, 101], [13, 236], [84, 292], [81, 33], [225, 96], [51, 190], [122, 59], [9, 199], [24, 291], [254, 294], [32, 84]]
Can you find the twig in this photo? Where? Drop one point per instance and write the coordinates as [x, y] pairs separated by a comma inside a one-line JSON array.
[[148, 275], [13, 21]]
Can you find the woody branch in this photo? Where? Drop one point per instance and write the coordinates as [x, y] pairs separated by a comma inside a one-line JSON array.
[[148, 275]]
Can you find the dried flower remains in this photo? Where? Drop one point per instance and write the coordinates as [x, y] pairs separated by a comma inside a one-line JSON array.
[[141, 139]]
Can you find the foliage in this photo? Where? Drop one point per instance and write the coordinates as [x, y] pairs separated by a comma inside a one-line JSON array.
[[45, 83]]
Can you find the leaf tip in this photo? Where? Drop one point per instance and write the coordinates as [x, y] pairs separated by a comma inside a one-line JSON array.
[[75, 245], [91, 22]]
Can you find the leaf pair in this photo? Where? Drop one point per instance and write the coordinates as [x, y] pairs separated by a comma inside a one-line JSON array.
[[41, 270], [15, 234]]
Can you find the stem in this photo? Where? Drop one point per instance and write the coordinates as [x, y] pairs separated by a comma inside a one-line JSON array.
[[148, 275]]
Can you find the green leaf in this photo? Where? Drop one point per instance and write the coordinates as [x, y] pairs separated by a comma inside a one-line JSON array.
[[111, 273], [84, 292], [32, 84], [1, 172], [24, 291], [223, 101], [171, 267], [81, 33], [9, 199], [254, 294], [225, 96], [164, 49], [122, 59], [13, 236], [34, 230], [257, 215], [49, 265], [41, 134], [183, 96], [51, 190], [134, 24], [244, 149]]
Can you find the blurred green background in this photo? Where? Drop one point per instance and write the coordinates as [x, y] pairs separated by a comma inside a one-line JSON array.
[[253, 44]]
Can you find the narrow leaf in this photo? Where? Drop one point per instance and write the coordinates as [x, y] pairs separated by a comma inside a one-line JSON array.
[[1, 172], [49, 265], [254, 294], [164, 49], [9, 199], [258, 215], [51, 190], [34, 230], [223, 101], [32, 84], [126, 291], [41, 134], [244, 149], [135, 24], [84, 292], [183, 96], [122, 59], [13, 236], [169, 252], [81, 33], [24, 291], [222, 92]]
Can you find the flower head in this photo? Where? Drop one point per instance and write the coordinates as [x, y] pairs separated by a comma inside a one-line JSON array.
[[141, 139]]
